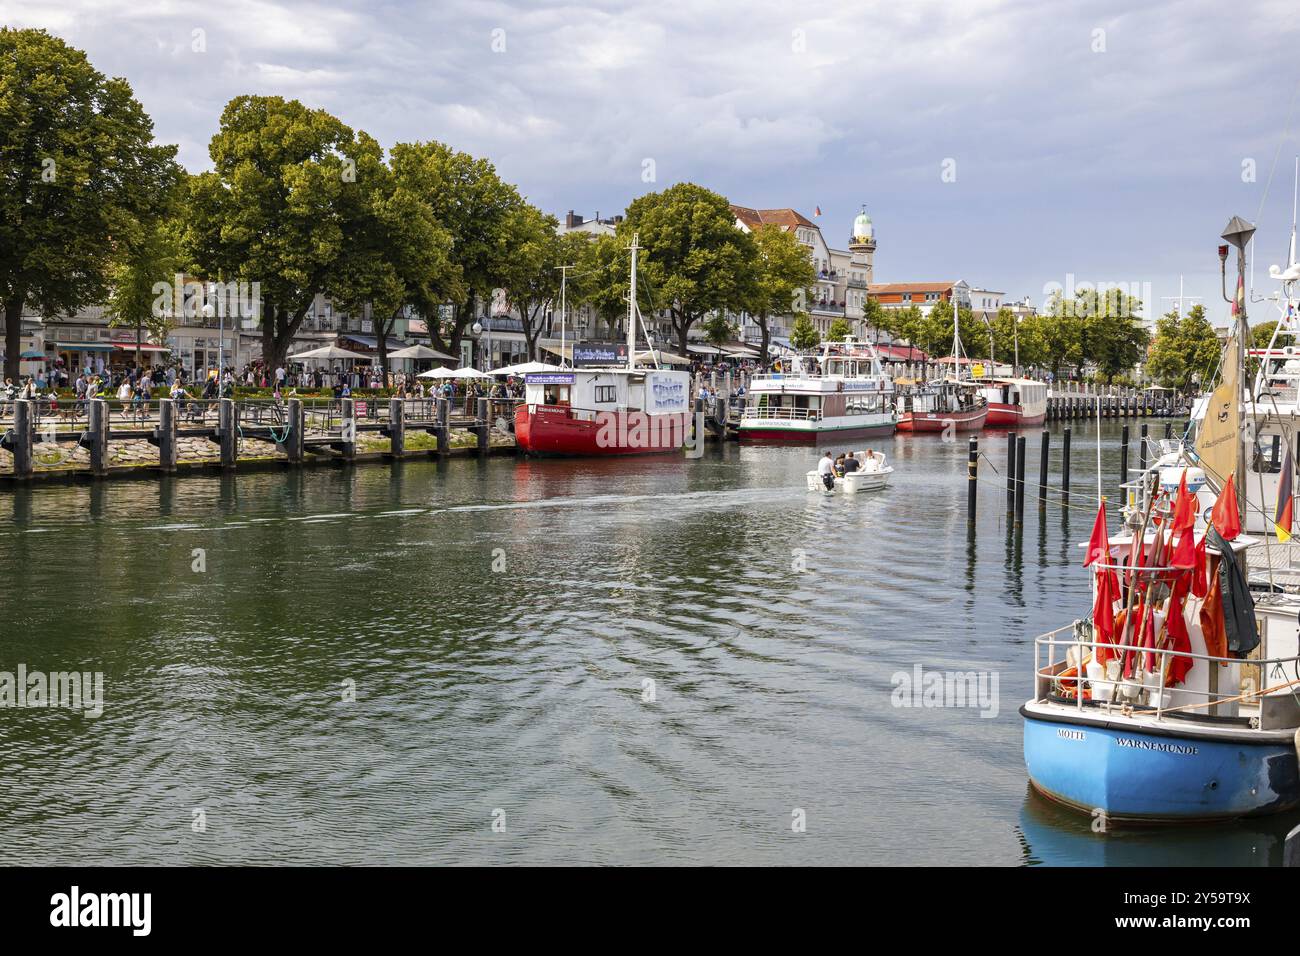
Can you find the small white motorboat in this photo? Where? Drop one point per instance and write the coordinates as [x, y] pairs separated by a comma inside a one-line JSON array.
[[873, 475]]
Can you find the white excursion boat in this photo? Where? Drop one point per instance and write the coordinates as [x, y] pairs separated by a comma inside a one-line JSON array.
[[872, 476], [845, 395]]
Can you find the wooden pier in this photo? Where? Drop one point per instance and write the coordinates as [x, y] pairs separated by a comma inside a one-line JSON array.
[[1067, 404], [102, 438]]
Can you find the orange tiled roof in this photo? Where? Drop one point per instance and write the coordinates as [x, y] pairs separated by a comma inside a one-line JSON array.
[[910, 287], [786, 218]]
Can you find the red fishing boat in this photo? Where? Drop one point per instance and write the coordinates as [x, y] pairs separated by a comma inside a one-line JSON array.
[[1014, 401], [942, 405]]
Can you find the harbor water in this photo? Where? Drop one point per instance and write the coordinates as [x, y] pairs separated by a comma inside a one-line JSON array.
[[552, 661]]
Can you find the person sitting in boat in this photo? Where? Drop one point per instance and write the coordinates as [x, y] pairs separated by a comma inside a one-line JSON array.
[[850, 464], [826, 469], [839, 466]]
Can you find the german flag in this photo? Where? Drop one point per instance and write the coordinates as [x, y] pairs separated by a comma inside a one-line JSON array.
[[1282, 519]]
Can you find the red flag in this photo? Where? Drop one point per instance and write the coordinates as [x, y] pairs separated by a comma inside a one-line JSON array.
[[1182, 641], [1099, 543], [1224, 516], [1212, 626], [1184, 520], [1200, 586], [1103, 614]]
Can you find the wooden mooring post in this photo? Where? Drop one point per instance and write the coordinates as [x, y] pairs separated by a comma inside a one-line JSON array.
[[1020, 480], [21, 438], [1142, 447], [295, 443], [1065, 466], [442, 430], [396, 430], [98, 437], [483, 425], [164, 436], [1042, 468], [972, 478], [1123, 458], [1011, 474]]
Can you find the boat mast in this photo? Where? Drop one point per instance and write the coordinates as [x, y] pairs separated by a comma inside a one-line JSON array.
[[1238, 232], [631, 308]]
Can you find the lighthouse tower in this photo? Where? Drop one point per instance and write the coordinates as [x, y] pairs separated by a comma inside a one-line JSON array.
[[862, 244]]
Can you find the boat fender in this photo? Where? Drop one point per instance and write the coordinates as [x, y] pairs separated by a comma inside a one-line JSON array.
[[1296, 741]]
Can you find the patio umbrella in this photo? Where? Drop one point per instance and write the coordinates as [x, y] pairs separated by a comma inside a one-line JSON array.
[[418, 352], [328, 352], [437, 373], [523, 368], [469, 373]]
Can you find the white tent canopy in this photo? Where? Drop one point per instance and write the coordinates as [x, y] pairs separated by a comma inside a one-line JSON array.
[[469, 373], [418, 352], [437, 373], [327, 352], [524, 368]]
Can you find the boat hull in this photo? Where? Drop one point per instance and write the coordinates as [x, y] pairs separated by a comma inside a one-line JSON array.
[[1171, 776], [555, 430], [1002, 415], [968, 421], [786, 433]]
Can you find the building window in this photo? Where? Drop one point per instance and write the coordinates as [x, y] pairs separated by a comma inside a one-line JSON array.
[[606, 394]]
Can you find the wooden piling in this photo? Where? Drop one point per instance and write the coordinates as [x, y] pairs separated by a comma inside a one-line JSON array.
[[1042, 468], [972, 478], [1142, 448], [228, 429], [165, 435], [1065, 467], [443, 428], [24, 418], [483, 426], [97, 418], [1020, 480], [1011, 474], [1123, 457], [295, 443], [348, 445], [396, 430]]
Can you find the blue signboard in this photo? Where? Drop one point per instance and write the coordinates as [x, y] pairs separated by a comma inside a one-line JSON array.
[[548, 378], [599, 355]]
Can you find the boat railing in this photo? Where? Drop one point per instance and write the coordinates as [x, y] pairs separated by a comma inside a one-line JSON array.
[[1274, 688], [780, 414]]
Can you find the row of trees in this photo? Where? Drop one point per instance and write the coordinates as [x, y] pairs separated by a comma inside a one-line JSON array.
[[91, 211]]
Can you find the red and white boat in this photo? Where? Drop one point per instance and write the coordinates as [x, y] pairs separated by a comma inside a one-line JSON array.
[[943, 405], [1014, 401], [604, 411], [608, 407]]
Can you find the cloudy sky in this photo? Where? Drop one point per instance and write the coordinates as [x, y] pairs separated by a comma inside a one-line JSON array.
[[1012, 143]]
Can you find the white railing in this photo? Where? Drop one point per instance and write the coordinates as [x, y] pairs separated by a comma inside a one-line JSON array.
[[1280, 676], [780, 414]]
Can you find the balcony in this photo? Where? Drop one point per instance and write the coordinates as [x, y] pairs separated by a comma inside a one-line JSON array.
[[857, 283], [826, 308]]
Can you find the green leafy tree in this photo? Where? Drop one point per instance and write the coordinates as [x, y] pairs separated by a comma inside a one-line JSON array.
[[476, 206], [397, 256], [601, 280], [532, 275], [694, 260], [876, 319], [718, 329], [803, 335], [783, 275], [1183, 350], [839, 330], [1113, 337], [278, 206], [78, 167], [145, 254]]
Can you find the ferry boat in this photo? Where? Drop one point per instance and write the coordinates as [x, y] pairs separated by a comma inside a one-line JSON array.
[[943, 404], [1014, 401], [1178, 698], [846, 395], [609, 407]]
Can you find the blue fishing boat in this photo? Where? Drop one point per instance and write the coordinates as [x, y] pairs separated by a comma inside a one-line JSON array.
[[1178, 699]]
